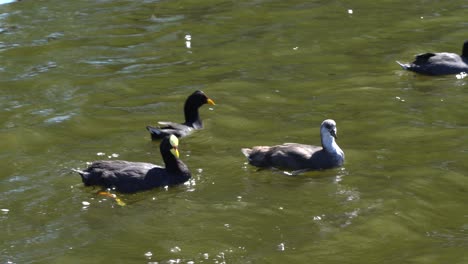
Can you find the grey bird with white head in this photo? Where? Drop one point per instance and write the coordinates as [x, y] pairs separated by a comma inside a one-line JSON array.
[[295, 156]]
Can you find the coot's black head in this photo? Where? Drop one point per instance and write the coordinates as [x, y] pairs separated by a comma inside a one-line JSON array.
[[169, 146], [465, 49], [197, 99], [193, 102]]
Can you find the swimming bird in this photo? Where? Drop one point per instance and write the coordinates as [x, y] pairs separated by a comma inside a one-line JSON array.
[[192, 118], [130, 177], [440, 63], [294, 156]]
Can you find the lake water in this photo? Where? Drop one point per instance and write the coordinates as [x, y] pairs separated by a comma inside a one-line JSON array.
[[83, 78]]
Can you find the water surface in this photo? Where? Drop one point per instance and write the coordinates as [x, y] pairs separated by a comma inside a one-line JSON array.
[[80, 81]]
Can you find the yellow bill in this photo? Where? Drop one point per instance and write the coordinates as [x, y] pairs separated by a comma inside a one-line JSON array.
[[175, 152]]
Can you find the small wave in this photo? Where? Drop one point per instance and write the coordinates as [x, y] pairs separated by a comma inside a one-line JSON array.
[[58, 119], [166, 19], [36, 70]]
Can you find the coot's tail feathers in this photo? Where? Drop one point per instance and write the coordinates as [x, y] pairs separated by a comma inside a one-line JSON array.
[[246, 152], [154, 130], [257, 156], [80, 172], [84, 175], [403, 65]]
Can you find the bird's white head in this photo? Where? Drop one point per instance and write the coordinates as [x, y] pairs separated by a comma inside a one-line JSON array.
[[328, 132]]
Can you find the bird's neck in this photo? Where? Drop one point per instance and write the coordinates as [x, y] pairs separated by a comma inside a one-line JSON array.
[[330, 145], [170, 162], [465, 50], [178, 170], [192, 117]]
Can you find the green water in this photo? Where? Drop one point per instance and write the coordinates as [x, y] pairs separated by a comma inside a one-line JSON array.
[[82, 77]]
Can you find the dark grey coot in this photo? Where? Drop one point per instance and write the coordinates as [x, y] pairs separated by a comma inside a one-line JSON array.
[[130, 177], [192, 118], [294, 156], [440, 63]]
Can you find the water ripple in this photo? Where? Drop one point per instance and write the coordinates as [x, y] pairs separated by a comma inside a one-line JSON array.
[[58, 119], [36, 70], [166, 19]]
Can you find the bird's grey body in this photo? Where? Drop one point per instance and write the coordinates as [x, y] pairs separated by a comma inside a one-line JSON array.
[[441, 63], [295, 156]]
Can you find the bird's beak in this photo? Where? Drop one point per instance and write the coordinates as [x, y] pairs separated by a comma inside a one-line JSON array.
[[175, 152], [211, 102], [333, 133]]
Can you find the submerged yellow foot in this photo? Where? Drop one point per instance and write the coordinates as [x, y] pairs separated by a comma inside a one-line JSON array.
[[113, 196]]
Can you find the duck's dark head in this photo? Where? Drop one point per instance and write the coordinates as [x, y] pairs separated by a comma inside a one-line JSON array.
[[197, 99], [193, 102]]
